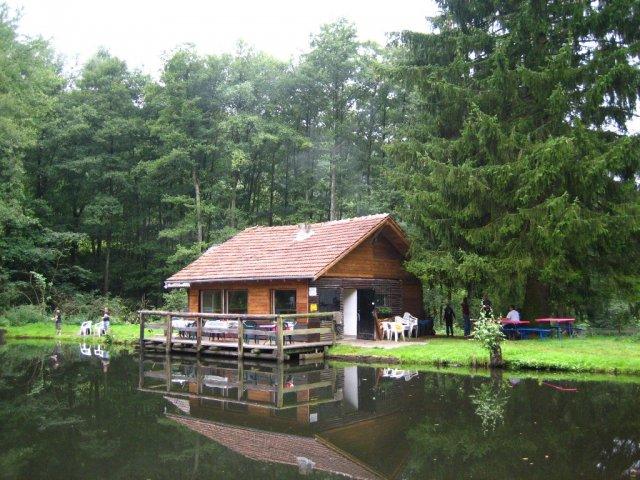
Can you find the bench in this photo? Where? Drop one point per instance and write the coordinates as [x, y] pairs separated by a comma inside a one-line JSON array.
[[542, 332]]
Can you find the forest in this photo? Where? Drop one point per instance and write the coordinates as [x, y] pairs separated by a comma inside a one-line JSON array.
[[498, 137]]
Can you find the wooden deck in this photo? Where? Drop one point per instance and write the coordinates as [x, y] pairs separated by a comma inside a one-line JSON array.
[[243, 382], [267, 337]]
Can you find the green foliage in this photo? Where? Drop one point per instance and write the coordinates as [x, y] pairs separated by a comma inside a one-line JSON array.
[[80, 307], [516, 170], [23, 315], [175, 300], [488, 332], [505, 157], [490, 400]]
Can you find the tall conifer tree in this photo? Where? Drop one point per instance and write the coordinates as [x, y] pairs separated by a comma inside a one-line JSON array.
[[516, 164]]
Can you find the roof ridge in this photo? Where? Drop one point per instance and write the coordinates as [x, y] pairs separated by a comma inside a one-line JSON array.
[[342, 220]]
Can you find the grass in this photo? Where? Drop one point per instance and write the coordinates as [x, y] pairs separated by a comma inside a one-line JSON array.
[[119, 332], [619, 355]]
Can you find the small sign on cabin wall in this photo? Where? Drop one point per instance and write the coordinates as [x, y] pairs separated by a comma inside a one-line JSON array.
[[313, 291], [313, 307]]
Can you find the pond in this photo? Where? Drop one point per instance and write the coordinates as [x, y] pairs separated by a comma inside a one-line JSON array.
[[70, 411]]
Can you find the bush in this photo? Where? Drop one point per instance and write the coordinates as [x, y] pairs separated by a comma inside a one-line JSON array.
[[90, 306], [23, 315], [175, 300]]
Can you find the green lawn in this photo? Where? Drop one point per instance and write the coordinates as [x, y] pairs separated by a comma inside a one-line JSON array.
[[592, 354], [120, 332]]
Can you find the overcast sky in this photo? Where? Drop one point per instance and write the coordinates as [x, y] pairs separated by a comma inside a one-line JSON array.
[[140, 31]]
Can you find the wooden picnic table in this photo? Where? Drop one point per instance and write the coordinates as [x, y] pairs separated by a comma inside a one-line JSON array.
[[559, 324]]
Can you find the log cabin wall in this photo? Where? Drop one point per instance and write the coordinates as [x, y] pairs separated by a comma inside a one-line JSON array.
[[376, 264], [374, 258], [258, 294], [390, 287]]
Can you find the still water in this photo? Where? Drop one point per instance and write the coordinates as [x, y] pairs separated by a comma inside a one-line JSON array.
[[84, 412]]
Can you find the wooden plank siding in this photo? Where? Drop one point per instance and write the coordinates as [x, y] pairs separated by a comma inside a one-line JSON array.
[[374, 258], [258, 294]]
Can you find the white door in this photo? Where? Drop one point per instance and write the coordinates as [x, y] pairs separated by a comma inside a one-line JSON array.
[[350, 318]]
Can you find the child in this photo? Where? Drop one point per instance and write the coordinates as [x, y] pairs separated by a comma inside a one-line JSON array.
[[57, 317], [105, 320]]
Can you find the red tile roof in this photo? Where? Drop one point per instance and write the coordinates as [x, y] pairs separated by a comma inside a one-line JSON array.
[[264, 253], [279, 447]]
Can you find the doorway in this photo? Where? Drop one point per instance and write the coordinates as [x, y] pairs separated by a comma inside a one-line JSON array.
[[366, 301]]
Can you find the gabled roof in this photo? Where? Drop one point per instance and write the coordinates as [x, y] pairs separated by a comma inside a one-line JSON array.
[[286, 252], [277, 447]]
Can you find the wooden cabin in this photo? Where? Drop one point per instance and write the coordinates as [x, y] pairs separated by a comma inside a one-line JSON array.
[[350, 265]]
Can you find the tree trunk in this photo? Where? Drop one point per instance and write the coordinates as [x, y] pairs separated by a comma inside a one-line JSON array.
[[196, 186], [272, 181], [333, 209], [232, 206], [536, 299], [107, 265], [495, 358]]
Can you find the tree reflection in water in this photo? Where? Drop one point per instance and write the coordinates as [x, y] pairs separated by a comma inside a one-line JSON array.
[[490, 400]]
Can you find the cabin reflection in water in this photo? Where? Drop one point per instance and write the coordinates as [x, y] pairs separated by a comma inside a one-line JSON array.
[[349, 421]]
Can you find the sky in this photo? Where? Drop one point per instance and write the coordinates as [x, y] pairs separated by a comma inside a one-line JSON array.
[[141, 31]]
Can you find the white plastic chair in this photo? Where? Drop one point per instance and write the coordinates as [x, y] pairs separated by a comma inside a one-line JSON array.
[[410, 324], [397, 328], [387, 330], [85, 328], [84, 350], [98, 328]]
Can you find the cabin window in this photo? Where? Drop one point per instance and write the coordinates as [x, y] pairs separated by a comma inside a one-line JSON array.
[[237, 301], [383, 300], [211, 301], [284, 301], [328, 299]]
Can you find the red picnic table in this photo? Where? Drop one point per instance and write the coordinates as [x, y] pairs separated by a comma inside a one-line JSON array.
[[559, 324], [508, 321]]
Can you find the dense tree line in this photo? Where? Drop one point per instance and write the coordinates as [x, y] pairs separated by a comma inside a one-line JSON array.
[[498, 139]]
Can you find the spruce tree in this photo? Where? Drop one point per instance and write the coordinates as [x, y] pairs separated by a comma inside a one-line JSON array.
[[516, 165]]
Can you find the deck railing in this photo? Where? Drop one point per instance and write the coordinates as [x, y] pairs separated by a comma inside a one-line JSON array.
[[282, 332]]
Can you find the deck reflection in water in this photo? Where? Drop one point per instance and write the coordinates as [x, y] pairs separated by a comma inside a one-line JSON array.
[[349, 421]]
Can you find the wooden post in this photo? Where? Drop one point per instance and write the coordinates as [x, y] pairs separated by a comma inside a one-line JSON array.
[[141, 370], [168, 334], [198, 334], [141, 319], [334, 326], [280, 392], [167, 371], [279, 340], [240, 340], [240, 378]]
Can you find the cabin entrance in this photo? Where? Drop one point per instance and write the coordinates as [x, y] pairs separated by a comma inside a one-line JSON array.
[[366, 302]]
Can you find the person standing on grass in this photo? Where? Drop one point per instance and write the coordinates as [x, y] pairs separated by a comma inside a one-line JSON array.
[[106, 319], [57, 318], [487, 307], [466, 316], [449, 315]]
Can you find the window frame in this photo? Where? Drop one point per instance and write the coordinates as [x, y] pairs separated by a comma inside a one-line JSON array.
[[213, 290], [273, 300], [233, 290]]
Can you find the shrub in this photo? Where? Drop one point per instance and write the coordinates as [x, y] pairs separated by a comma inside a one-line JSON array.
[[175, 300], [90, 306], [24, 314], [488, 332]]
